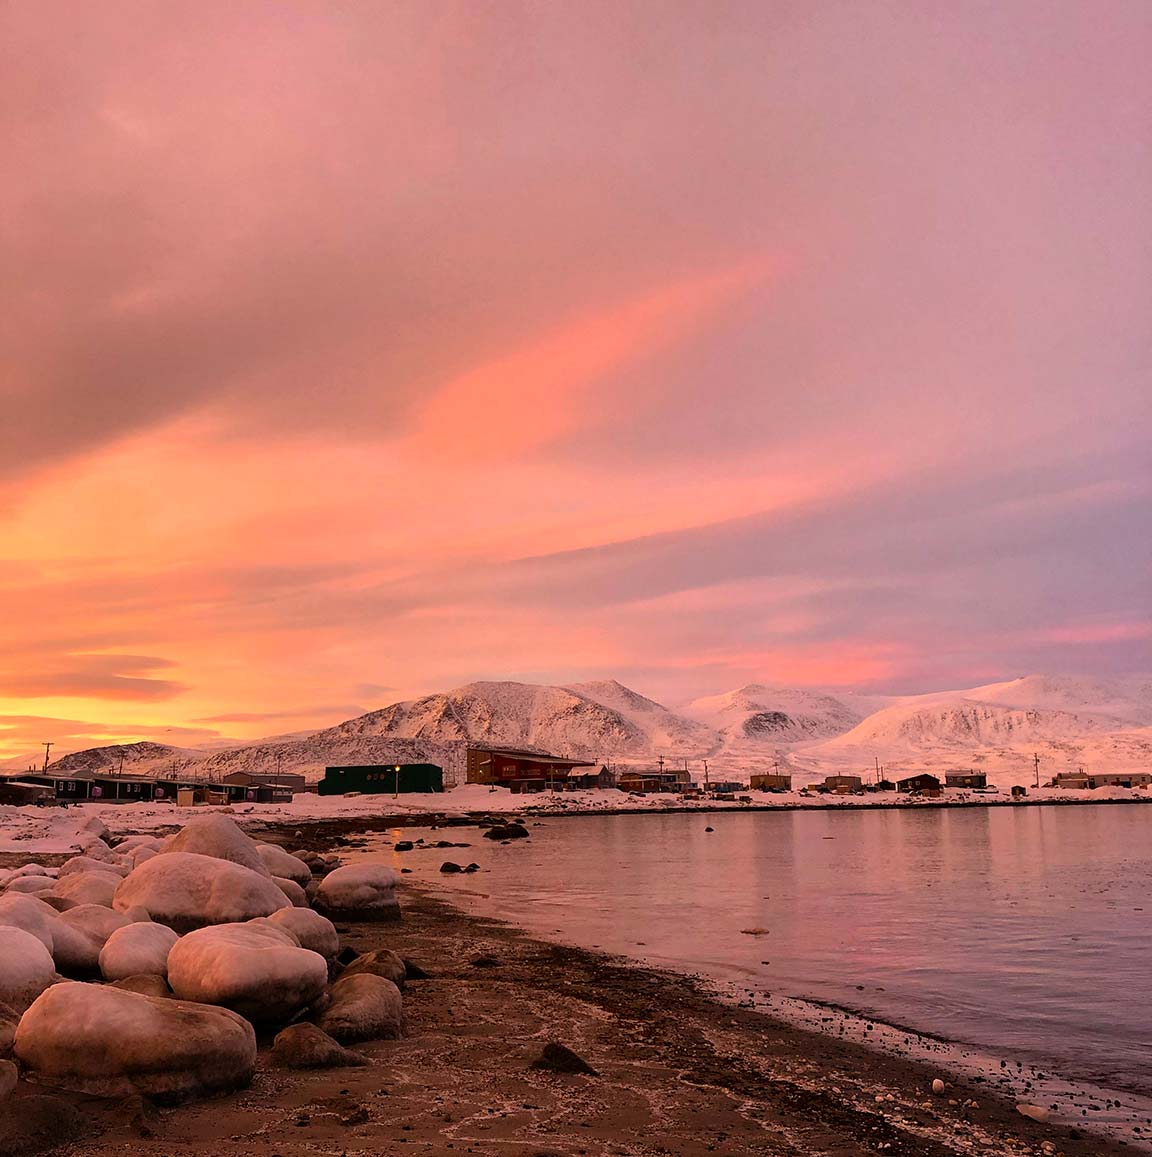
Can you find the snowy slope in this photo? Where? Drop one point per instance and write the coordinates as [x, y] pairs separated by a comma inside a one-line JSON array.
[[757, 715], [143, 758], [1125, 699], [665, 732]]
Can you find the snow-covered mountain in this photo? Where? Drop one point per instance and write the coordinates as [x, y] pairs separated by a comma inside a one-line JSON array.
[[756, 715], [1069, 721]]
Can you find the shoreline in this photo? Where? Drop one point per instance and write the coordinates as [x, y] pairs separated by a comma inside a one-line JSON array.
[[679, 1071]]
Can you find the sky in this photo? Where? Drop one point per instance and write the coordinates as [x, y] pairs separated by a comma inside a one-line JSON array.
[[353, 351]]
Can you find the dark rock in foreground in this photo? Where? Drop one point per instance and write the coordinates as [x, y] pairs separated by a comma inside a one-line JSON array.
[[558, 1058]]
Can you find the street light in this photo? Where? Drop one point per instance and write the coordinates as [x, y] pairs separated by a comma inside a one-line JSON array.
[[396, 782]]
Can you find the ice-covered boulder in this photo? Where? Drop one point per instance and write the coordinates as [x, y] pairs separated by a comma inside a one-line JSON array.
[[312, 930], [30, 914], [88, 887], [90, 864], [137, 949], [26, 967], [359, 892], [109, 1042], [282, 863], [137, 856], [147, 984], [294, 893], [30, 885], [383, 962], [220, 837], [304, 1046], [258, 971], [186, 891], [363, 1007], [30, 870], [96, 849], [131, 843], [79, 934]]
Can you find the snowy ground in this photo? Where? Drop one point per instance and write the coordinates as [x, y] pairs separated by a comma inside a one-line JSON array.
[[52, 831]]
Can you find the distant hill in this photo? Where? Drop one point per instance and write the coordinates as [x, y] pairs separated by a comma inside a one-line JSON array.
[[1070, 721]]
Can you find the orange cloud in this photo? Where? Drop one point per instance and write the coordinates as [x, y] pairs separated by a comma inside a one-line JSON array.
[[540, 391]]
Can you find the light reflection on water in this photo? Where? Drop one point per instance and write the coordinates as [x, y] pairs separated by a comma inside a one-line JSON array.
[[1017, 929]]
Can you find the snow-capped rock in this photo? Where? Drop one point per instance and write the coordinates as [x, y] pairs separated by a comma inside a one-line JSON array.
[[186, 891], [26, 967], [359, 891], [218, 836], [79, 934], [312, 930], [109, 1042], [136, 950], [282, 863], [259, 972]]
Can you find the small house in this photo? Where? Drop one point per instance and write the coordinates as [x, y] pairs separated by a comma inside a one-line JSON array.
[[15, 791], [920, 785], [68, 788], [882, 785], [519, 770], [965, 779], [771, 782], [725, 786], [600, 778], [1018, 792], [121, 788]]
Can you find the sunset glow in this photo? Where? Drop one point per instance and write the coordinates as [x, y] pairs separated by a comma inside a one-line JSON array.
[[358, 351]]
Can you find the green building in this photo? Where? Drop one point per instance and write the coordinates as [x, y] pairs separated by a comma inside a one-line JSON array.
[[383, 778]]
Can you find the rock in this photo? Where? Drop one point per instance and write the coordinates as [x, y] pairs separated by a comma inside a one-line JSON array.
[[79, 935], [258, 972], [108, 1042], [26, 967], [131, 843], [484, 962], [90, 864], [709, 829], [363, 891], [558, 1058], [937, 1086], [282, 863], [383, 962], [448, 867], [403, 846], [43, 1123], [147, 984], [313, 931], [186, 891], [136, 949], [1034, 1112], [30, 870], [30, 914], [93, 826], [413, 971], [472, 868], [511, 831], [138, 856], [30, 885], [363, 1007], [220, 837], [9, 1019], [304, 1046], [295, 895], [88, 887], [9, 1076]]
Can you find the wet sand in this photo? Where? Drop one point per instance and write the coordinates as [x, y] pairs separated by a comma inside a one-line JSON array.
[[679, 1073]]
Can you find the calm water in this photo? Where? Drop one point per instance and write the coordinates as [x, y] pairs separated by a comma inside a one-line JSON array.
[[1025, 931]]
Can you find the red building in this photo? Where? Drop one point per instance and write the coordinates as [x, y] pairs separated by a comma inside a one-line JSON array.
[[519, 770]]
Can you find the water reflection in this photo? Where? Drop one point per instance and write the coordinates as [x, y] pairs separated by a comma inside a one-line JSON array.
[[1021, 929]]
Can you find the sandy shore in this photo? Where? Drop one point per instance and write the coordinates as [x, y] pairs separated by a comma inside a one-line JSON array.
[[679, 1072]]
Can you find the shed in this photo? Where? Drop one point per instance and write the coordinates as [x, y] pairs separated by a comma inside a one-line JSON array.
[[844, 783], [965, 779], [771, 782]]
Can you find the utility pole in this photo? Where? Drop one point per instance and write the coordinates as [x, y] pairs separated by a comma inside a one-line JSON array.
[[47, 748], [1036, 764], [705, 775], [876, 758], [120, 770]]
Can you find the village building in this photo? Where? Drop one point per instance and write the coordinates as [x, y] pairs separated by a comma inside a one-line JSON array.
[[594, 777], [644, 780], [289, 779], [771, 782], [922, 784], [384, 778], [965, 779], [1081, 779], [725, 786], [519, 770], [843, 784]]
